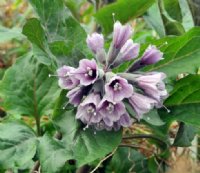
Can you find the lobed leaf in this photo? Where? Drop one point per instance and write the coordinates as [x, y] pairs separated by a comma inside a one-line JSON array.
[[17, 144], [65, 36], [26, 88]]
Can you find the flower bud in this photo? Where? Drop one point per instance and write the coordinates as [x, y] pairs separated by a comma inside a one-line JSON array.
[[121, 34], [151, 56], [101, 56], [95, 42], [141, 104], [128, 52]]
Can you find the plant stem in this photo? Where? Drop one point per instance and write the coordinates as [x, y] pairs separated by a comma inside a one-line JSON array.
[[35, 167], [36, 115], [83, 169], [147, 136], [134, 146]]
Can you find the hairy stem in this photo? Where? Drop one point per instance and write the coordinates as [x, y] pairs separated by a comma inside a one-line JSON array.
[[134, 147], [83, 169], [35, 167], [147, 136]]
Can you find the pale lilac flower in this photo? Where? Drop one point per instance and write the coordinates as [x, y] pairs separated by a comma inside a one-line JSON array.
[[121, 34], [76, 95], [141, 104], [66, 78], [95, 42], [117, 89], [102, 126], [87, 72], [125, 120], [151, 55], [128, 52], [111, 112], [117, 126], [87, 111], [99, 94], [101, 56], [153, 85]]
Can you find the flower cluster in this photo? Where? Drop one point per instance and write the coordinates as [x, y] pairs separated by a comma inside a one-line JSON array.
[[100, 95]]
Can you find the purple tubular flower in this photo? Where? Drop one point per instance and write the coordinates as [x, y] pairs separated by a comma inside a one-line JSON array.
[[87, 72], [151, 55], [95, 42], [101, 56], [111, 112], [102, 126], [128, 52], [121, 34], [141, 104], [125, 120], [87, 111], [153, 86], [117, 89], [75, 95], [66, 78]]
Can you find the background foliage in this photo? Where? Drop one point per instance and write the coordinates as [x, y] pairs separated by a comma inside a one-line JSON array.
[[38, 36]]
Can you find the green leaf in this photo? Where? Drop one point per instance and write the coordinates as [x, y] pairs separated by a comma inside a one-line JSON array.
[[174, 12], [164, 19], [153, 118], [185, 135], [7, 34], [72, 47], [74, 7], [34, 32], [52, 14], [172, 26], [127, 160], [187, 20], [186, 91], [183, 103], [90, 146], [17, 144], [26, 88], [65, 36], [188, 114], [154, 19], [123, 10], [181, 54], [53, 154]]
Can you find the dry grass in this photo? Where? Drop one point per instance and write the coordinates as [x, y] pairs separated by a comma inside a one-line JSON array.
[[184, 164]]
